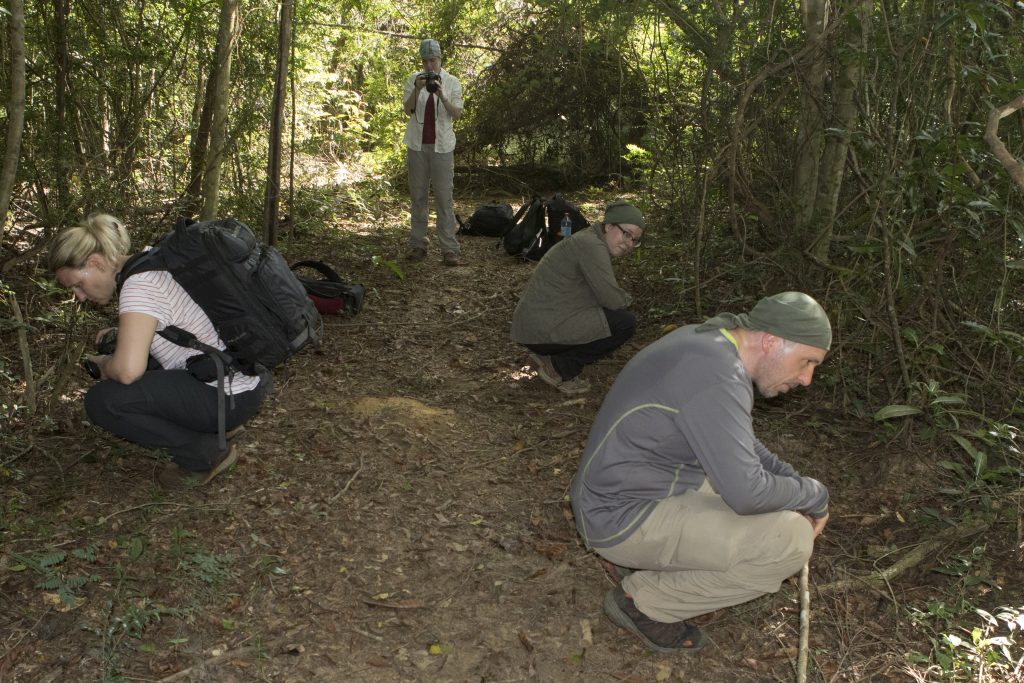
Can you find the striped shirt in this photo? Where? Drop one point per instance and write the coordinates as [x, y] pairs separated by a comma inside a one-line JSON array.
[[155, 293]]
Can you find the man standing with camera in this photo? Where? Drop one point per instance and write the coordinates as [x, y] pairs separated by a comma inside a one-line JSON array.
[[432, 99]]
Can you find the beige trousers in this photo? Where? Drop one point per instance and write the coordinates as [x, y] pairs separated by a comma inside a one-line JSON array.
[[696, 555], [429, 168]]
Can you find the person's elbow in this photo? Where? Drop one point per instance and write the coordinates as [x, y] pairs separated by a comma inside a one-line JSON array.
[[456, 113], [125, 373]]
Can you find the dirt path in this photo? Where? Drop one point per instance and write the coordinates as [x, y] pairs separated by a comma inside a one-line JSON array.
[[398, 514]]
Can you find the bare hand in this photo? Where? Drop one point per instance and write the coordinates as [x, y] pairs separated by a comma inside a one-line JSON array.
[[818, 525]]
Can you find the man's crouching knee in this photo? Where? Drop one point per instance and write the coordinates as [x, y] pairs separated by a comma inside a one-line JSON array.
[[797, 536]]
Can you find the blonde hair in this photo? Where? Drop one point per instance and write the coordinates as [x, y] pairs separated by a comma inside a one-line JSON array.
[[100, 234]]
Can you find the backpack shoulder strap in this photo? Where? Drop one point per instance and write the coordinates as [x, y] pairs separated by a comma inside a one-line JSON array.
[[139, 263], [519, 214], [319, 266]]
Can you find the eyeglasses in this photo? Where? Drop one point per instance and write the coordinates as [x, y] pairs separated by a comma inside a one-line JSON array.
[[633, 239]]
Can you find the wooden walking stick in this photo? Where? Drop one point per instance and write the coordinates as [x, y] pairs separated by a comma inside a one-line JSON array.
[[805, 625]]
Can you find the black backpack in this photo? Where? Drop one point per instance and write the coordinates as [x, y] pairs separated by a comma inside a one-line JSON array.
[[558, 206], [489, 220], [535, 236], [526, 232], [330, 294], [255, 302]]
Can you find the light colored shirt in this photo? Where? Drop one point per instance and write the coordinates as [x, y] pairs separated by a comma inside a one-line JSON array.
[[156, 293], [444, 136]]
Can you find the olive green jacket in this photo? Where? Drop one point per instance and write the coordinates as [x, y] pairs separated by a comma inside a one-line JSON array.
[[562, 301]]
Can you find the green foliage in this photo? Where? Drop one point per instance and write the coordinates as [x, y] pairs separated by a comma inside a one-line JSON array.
[[988, 650], [50, 566], [204, 573]]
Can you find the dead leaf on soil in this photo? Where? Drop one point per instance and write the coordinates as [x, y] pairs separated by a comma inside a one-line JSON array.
[[662, 672], [53, 599], [552, 551], [587, 632]]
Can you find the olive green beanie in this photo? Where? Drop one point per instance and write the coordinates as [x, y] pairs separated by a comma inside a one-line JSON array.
[[620, 212], [789, 315]]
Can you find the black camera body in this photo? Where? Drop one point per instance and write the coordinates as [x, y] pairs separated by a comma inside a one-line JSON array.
[[432, 80], [106, 346]]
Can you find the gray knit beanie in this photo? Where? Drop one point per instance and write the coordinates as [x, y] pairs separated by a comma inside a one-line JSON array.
[[430, 48]]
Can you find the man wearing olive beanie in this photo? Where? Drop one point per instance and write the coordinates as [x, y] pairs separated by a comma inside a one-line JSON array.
[[687, 508]]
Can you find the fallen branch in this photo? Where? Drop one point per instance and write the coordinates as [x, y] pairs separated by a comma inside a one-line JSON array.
[[911, 559], [350, 480], [231, 654], [805, 625]]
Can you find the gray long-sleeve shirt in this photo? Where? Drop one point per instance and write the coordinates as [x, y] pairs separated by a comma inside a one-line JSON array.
[[562, 301], [680, 412]]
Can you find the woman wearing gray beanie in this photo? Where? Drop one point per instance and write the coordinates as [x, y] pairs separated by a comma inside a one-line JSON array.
[[572, 312]]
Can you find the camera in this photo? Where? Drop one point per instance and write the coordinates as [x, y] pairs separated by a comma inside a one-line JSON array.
[[106, 346], [432, 80]]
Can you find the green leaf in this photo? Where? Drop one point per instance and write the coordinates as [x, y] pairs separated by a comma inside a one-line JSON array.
[[896, 410], [135, 548], [980, 458]]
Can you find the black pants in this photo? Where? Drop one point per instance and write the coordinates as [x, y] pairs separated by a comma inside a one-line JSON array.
[[169, 409], [569, 360]]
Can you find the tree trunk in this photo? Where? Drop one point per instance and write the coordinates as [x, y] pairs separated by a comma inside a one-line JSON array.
[[202, 115], [15, 110], [271, 199], [856, 32], [59, 128], [221, 81], [810, 131]]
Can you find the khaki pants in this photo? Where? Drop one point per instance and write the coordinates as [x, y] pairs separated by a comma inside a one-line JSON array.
[[696, 555], [427, 168]]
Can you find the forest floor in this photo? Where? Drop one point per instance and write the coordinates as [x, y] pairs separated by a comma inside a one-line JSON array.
[[399, 513]]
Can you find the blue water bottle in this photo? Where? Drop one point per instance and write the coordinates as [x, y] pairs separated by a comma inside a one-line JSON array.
[[566, 226]]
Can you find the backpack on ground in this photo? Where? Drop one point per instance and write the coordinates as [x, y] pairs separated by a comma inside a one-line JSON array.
[[527, 230], [558, 207], [489, 220], [532, 237], [329, 293]]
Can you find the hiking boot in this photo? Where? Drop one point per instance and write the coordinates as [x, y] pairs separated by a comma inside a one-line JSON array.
[[450, 258], [656, 635], [576, 385], [175, 478], [416, 254], [546, 369]]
